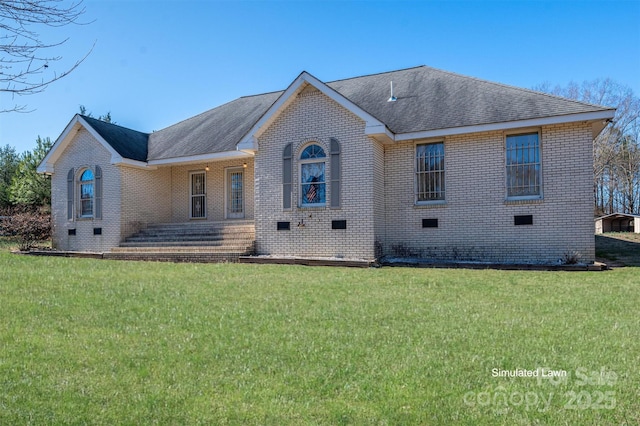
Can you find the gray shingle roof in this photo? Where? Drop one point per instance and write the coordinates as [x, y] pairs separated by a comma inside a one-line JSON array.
[[217, 130], [128, 143], [431, 99], [427, 99]]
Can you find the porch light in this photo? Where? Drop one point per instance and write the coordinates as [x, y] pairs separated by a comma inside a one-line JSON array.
[[206, 168], [244, 165]]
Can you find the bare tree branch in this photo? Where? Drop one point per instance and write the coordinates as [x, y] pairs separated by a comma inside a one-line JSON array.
[[24, 55], [616, 150]]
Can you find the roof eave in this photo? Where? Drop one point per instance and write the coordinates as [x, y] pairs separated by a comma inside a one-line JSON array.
[[618, 215], [200, 158], [132, 163], [597, 118], [47, 164]]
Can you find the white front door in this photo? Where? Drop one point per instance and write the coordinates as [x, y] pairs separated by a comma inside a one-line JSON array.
[[197, 208], [235, 193]]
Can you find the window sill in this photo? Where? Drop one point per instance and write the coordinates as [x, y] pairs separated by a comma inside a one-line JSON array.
[[429, 204], [524, 200], [312, 207]]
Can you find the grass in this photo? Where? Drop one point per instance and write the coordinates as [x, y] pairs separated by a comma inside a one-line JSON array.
[[619, 248], [102, 342]]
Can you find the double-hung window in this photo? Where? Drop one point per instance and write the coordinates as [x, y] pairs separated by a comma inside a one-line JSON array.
[[312, 176], [430, 185], [524, 177]]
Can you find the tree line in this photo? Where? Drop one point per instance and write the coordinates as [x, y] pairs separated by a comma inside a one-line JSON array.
[[616, 151], [20, 184]]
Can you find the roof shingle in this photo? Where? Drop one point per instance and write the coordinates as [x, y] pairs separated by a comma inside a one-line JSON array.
[[427, 99], [128, 143]]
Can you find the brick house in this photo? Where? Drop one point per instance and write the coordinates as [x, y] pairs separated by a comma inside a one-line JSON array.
[[416, 162]]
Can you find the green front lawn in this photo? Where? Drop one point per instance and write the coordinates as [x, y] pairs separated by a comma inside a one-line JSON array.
[[103, 342]]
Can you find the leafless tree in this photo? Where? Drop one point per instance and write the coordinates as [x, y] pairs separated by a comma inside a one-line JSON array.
[[26, 58], [616, 150]]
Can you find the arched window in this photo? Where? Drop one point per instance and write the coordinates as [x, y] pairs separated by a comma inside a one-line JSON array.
[[86, 183], [312, 176]]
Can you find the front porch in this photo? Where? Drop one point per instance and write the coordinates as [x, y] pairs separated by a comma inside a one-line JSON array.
[[196, 241], [199, 192]]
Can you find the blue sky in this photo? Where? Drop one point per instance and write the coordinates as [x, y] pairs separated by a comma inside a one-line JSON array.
[[156, 63]]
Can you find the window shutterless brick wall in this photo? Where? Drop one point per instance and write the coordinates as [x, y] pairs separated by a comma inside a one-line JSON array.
[[476, 222], [314, 117], [146, 198]]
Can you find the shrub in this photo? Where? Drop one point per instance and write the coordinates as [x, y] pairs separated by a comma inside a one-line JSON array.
[[29, 226], [571, 257]]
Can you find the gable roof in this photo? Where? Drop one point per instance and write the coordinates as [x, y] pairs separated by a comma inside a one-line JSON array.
[[372, 126], [126, 146], [618, 215], [126, 142], [430, 103]]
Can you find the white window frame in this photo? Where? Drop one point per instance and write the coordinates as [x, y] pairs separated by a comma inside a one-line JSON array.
[[416, 173], [302, 162], [227, 192], [79, 184], [540, 179]]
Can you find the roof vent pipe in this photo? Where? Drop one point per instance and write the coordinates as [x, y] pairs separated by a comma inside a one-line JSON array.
[[392, 98]]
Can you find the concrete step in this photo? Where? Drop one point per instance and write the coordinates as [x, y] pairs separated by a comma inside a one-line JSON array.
[[199, 237], [189, 242], [183, 249], [191, 257], [202, 225], [199, 230]]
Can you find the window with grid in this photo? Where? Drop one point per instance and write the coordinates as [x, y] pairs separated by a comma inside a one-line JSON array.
[[198, 195], [86, 193], [430, 172], [312, 179], [523, 165]]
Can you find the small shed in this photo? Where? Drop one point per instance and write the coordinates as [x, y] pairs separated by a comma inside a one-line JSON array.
[[618, 222]]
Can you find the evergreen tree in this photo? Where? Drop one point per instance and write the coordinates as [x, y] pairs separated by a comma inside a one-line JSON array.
[[28, 188], [106, 118], [9, 161]]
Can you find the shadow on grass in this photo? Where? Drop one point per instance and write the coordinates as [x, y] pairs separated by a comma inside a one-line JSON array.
[[619, 248]]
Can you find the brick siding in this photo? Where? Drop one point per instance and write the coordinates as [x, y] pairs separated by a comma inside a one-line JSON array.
[[313, 117], [215, 187], [146, 198], [476, 223], [82, 152]]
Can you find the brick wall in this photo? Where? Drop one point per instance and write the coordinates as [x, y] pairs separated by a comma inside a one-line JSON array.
[[476, 223], [377, 194], [82, 152], [379, 212], [312, 117], [146, 198]]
